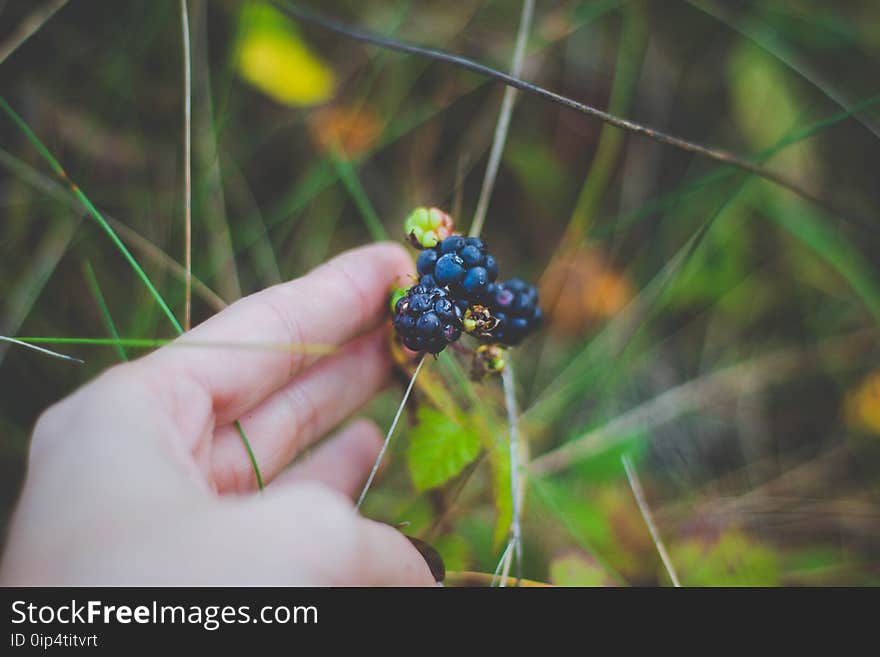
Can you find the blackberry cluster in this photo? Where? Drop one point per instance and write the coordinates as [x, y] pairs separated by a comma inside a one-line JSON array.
[[458, 291], [463, 264], [427, 319], [515, 305]]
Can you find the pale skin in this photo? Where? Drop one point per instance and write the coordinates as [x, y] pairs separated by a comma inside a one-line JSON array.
[[140, 477]]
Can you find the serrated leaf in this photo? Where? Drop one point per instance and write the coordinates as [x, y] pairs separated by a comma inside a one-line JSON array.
[[439, 448]]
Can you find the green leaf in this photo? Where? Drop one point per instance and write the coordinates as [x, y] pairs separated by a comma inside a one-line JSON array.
[[734, 560], [578, 570], [439, 448]]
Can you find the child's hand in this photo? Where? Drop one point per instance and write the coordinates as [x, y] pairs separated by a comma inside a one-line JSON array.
[[140, 477]]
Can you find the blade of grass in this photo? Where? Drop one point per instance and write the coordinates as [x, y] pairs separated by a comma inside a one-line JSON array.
[[40, 266], [639, 494], [129, 235], [515, 548], [352, 183], [92, 282], [773, 44], [508, 381], [630, 54], [810, 227], [722, 156], [599, 344], [315, 349], [92, 210], [30, 26], [187, 165], [744, 378], [321, 175], [210, 195], [724, 173], [23, 343], [501, 128]]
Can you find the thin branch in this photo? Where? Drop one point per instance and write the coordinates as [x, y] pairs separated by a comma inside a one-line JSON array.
[[42, 350], [501, 128], [718, 155], [639, 494], [187, 164], [29, 26], [390, 433]]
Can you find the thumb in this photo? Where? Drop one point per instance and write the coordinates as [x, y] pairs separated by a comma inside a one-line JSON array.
[[333, 545]]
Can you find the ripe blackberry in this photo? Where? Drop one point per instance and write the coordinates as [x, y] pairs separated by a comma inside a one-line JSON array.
[[427, 319], [463, 264], [514, 304]]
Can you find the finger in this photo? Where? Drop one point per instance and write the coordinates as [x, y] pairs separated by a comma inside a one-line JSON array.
[[339, 300], [389, 559], [294, 417], [342, 462], [333, 543]]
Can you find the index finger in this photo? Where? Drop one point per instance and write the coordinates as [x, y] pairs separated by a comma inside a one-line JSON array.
[[330, 305]]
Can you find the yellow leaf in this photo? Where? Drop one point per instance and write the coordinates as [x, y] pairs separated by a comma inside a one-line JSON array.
[[272, 57], [862, 405]]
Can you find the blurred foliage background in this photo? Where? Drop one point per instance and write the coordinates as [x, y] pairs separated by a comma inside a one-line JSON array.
[[718, 330]]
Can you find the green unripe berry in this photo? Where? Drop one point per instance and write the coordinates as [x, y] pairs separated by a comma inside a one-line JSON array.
[[426, 227]]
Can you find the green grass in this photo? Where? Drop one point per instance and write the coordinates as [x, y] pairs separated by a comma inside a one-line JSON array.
[[730, 273]]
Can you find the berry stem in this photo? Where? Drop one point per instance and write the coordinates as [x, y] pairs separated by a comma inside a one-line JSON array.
[[510, 404], [390, 433]]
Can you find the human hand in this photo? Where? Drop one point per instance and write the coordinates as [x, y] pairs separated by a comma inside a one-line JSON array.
[[140, 476]]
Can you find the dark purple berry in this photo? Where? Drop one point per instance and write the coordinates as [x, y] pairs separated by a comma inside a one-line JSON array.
[[427, 318], [428, 324], [419, 303], [471, 256], [449, 269], [515, 305], [426, 261], [451, 244], [504, 297], [475, 282], [491, 266], [469, 253]]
